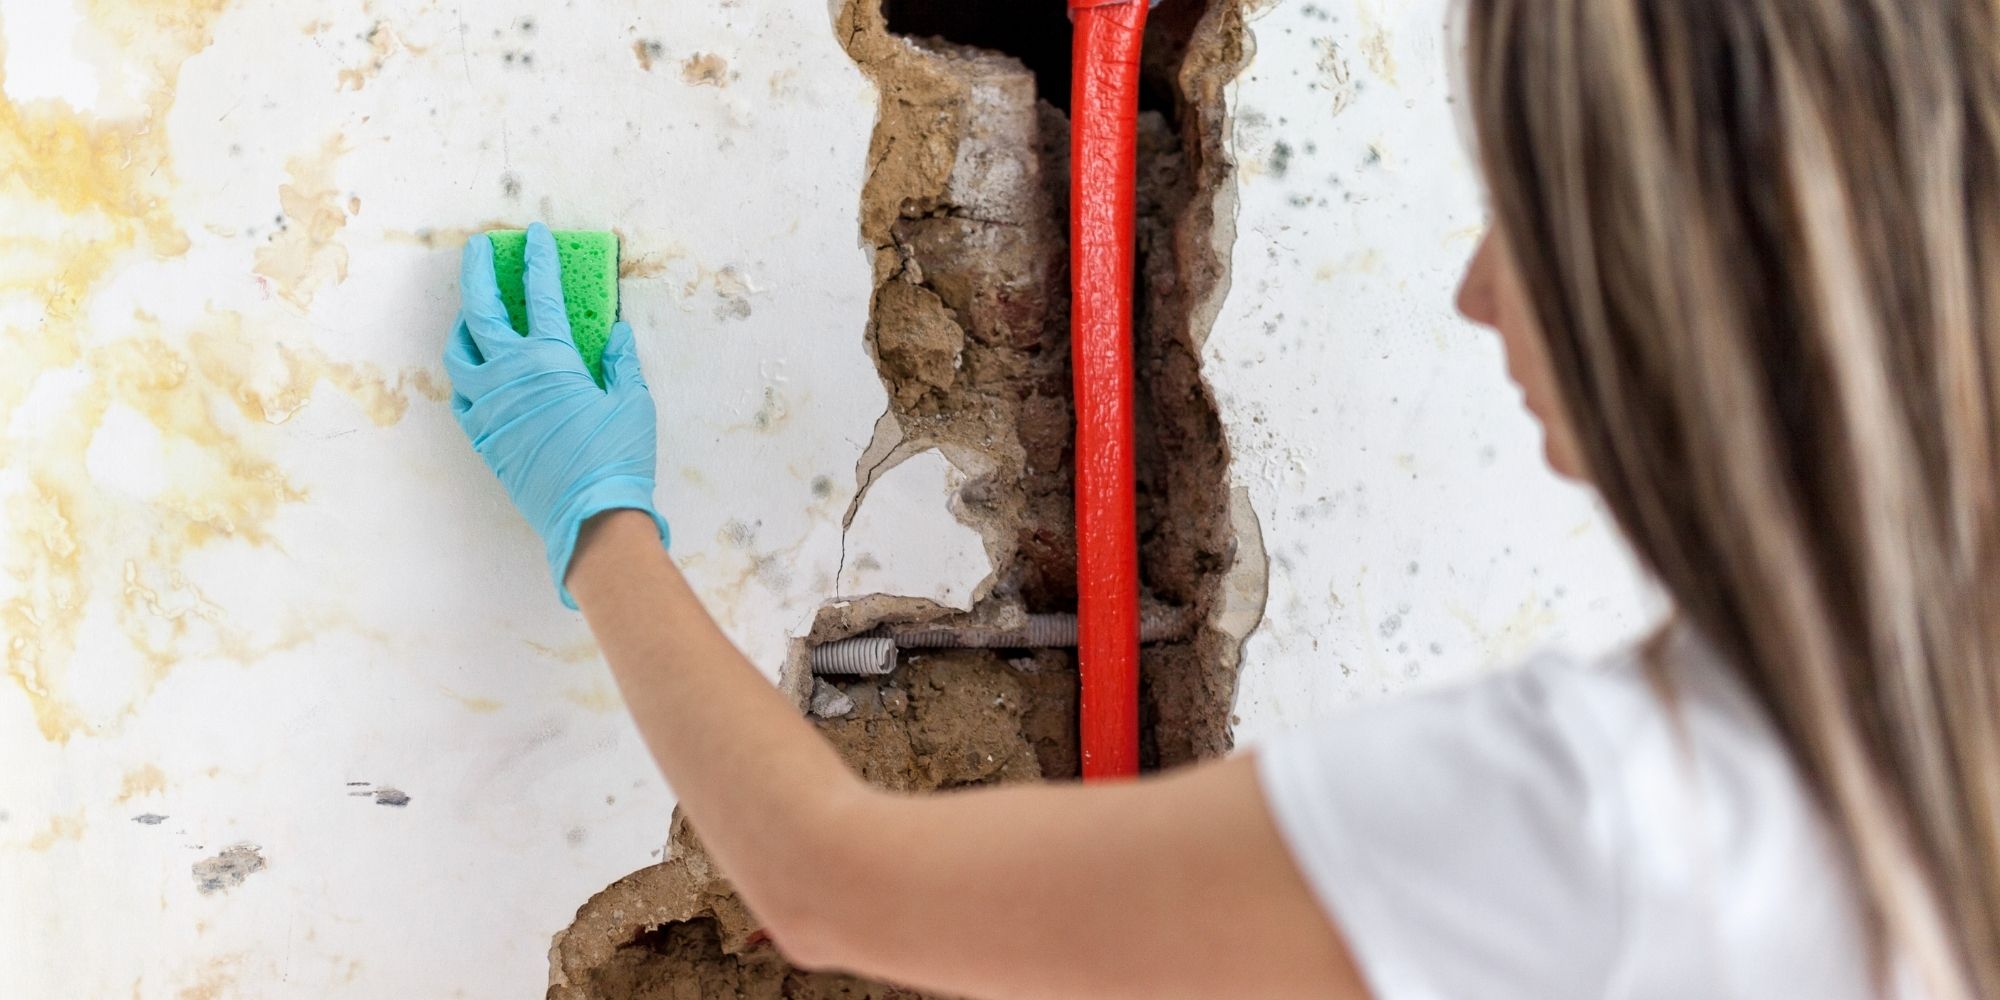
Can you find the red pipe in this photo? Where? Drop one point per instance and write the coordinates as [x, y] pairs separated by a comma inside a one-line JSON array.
[[1104, 111]]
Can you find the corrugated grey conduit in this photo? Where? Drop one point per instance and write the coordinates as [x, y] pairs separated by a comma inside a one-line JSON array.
[[875, 655]]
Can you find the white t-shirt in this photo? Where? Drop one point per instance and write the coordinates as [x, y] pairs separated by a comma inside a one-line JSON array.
[[1560, 833]]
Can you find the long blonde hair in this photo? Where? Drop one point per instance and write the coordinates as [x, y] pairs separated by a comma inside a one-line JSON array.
[[1762, 239]]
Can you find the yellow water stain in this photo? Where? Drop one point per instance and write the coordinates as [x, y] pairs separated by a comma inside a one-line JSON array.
[[596, 698], [60, 828], [111, 176], [1377, 45], [444, 237], [1465, 234], [93, 195], [1512, 639], [99, 176], [583, 651], [106, 183], [107, 180], [147, 779], [166, 32], [43, 619], [237, 491], [382, 43], [705, 69], [216, 980], [475, 703], [650, 265], [231, 356], [174, 601], [221, 484], [303, 257], [646, 51], [292, 633], [1360, 262]]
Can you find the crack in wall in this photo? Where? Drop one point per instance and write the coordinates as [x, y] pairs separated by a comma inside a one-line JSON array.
[[865, 481], [965, 213]]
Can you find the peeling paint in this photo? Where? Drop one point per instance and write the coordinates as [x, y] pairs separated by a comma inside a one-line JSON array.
[[228, 869]]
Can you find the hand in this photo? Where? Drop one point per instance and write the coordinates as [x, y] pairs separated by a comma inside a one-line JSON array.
[[564, 449]]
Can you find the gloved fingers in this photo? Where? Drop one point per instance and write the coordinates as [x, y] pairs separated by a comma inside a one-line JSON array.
[[479, 308], [621, 359], [548, 317], [459, 349], [465, 364]]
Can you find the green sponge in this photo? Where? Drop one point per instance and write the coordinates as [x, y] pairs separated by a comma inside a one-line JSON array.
[[590, 286]]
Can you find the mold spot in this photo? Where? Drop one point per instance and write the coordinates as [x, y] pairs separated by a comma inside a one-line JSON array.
[[648, 51]]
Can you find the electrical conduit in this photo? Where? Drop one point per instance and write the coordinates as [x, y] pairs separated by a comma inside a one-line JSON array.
[[1104, 110]]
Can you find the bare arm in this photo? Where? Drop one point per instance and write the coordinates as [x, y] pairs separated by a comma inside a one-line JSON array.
[[1165, 887]]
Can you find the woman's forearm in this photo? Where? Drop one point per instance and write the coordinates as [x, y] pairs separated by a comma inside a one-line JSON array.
[[760, 783], [1170, 887]]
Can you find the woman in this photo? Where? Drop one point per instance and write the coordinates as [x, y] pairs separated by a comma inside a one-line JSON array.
[[1745, 259]]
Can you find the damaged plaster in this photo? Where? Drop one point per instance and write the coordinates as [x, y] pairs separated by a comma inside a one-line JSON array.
[[965, 207]]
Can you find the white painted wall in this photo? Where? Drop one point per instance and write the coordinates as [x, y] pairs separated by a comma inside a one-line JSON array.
[[255, 577], [1414, 533], [366, 607]]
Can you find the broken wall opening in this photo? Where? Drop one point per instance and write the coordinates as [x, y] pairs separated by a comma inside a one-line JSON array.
[[965, 212]]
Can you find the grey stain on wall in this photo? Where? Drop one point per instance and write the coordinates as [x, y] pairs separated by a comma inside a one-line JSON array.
[[227, 870]]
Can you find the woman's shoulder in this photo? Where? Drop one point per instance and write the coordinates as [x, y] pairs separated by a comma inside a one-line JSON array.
[[1717, 832], [1637, 806], [1668, 696]]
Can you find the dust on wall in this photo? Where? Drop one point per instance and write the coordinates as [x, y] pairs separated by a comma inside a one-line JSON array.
[[965, 212]]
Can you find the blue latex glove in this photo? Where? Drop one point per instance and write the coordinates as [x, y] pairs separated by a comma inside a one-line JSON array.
[[564, 449]]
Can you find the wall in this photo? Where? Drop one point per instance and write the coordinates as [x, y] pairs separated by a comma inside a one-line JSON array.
[[293, 711], [1413, 532]]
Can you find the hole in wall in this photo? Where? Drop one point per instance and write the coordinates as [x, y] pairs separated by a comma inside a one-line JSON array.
[[686, 959], [965, 214], [1039, 33]]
